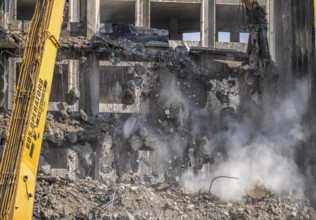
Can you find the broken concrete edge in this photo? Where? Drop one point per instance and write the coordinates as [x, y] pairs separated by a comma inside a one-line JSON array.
[[128, 36], [222, 54]]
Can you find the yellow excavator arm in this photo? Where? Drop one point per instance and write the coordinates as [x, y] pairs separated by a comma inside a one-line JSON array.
[[20, 158]]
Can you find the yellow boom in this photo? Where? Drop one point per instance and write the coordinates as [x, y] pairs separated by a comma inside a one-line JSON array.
[[20, 158]]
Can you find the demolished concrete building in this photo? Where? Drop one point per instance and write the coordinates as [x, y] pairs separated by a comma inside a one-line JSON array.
[[131, 94], [104, 67]]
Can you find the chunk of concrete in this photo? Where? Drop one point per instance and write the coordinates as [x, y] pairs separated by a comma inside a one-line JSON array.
[[128, 97], [72, 96], [140, 69]]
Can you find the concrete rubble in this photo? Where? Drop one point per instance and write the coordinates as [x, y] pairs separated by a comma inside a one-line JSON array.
[[62, 198], [79, 134]]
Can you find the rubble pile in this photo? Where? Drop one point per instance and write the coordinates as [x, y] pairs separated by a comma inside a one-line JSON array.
[[79, 137], [130, 199], [65, 130]]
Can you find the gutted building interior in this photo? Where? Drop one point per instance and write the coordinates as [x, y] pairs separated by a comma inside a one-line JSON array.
[[163, 109]]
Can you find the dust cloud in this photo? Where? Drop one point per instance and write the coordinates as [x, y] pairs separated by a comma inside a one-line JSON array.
[[193, 143], [260, 152]]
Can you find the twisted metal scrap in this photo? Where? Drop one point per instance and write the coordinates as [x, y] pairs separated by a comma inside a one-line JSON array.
[[218, 177]]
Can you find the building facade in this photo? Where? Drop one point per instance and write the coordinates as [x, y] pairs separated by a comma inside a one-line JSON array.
[[190, 23]]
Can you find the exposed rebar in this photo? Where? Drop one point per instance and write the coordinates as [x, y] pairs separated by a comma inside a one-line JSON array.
[[228, 177]]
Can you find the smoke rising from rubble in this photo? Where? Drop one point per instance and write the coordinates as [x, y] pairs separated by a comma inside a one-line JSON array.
[[260, 154], [161, 126], [257, 146]]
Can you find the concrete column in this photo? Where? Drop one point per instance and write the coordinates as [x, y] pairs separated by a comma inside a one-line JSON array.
[[208, 23], [90, 100], [74, 11], [3, 81], [93, 18], [74, 15], [89, 85], [271, 26], [73, 78], [11, 82], [3, 13], [142, 13], [10, 12]]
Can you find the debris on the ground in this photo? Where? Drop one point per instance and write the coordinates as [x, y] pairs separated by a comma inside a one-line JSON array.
[[62, 198]]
